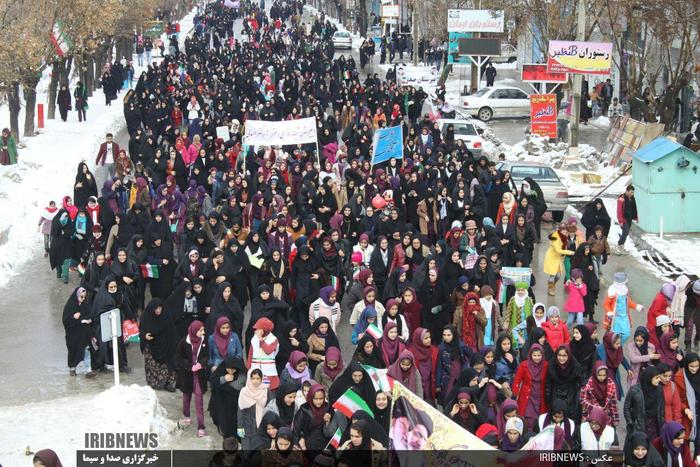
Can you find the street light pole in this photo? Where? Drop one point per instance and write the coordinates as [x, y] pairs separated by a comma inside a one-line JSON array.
[[578, 79]]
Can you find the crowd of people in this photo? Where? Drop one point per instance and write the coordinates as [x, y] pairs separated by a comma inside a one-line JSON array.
[[250, 269]]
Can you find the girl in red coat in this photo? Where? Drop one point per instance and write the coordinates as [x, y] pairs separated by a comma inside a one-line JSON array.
[[659, 307], [528, 387]]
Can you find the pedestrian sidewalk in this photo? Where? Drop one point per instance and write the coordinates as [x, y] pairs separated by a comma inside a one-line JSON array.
[[672, 255], [47, 166]]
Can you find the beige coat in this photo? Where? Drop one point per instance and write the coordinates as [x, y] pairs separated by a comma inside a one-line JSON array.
[[422, 211]]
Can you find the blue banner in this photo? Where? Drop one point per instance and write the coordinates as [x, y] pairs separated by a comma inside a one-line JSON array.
[[388, 144]]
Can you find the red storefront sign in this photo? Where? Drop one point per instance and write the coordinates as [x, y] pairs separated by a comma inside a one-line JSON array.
[[543, 114]]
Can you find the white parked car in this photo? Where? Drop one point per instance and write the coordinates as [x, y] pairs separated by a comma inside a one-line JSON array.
[[509, 54], [342, 40], [495, 102], [466, 130]]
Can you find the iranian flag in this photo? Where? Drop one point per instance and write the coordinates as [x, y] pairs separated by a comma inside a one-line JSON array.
[[60, 40], [374, 331], [335, 440], [380, 380], [350, 402], [150, 271]]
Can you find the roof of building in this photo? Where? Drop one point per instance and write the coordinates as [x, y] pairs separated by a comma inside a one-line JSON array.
[[658, 149]]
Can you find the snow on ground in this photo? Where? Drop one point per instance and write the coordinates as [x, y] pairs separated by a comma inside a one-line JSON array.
[[600, 122], [61, 424], [570, 170], [678, 248], [47, 167], [356, 39], [506, 66]]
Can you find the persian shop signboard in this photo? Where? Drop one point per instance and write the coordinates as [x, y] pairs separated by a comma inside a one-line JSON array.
[[474, 20], [543, 114], [593, 58], [537, 73]]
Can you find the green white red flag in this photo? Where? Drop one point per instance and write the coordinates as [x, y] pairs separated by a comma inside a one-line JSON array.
[[380, 380], [350, 402], [335, 440], [150, 271], [60, 40], [374, 331]]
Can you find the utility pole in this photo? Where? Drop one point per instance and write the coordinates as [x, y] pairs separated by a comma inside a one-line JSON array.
[[578, 81]]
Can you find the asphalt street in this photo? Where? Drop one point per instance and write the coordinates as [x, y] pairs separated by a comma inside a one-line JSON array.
[[33, 344]]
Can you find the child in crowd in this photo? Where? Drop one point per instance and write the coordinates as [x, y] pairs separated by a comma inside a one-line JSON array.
[[575, 305]]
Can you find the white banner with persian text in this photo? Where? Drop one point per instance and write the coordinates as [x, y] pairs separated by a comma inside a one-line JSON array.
[[266, 133], [420, 76], [474, 20]]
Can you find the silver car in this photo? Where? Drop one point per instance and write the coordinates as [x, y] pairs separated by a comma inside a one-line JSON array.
[[342, 40], [556, 195]]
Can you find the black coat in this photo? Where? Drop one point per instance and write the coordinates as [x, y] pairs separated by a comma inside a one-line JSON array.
[[566, 386], [183, 364], [63, 100], [89, 187], [162, 330], [223, 404], [314, 434], [61, 239], [78, 334], [593, 217], [635, 411], [306, 287], [230, 309]]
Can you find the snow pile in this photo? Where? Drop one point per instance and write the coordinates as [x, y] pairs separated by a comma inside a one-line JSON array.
[[677, 248], [61, 424], [47, 167], [600, 122], [584, 175]]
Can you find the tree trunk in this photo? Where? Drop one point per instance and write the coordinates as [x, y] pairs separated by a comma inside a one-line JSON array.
[[97, 71], [444, 74], [56, 73], [29, 90], [362, 18], [125, 48], [15, 106], [64, 79], [89, 74]]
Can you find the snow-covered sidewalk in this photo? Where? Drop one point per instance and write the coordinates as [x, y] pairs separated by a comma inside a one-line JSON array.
[[680, 249], [61, 424], [47, 167]]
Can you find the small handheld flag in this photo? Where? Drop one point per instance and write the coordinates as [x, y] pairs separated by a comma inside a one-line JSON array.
[[150, 271], [374, 331], [350, 402], [335, 440]]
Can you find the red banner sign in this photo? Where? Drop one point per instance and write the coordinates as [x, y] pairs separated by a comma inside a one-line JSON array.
[[543, 114], [537, 73]]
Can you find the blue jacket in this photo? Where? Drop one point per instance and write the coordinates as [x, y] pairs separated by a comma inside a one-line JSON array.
[[504, 371], [234, 350]]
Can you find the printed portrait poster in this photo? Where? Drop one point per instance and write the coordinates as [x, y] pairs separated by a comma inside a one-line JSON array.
[[417, 426]]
